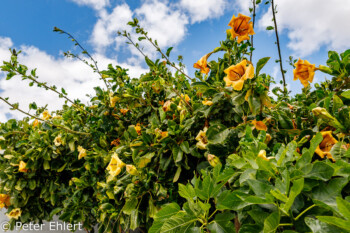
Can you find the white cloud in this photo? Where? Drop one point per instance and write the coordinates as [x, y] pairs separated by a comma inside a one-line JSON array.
[[105, 30], [76, 77], [200, 10], [312, 24], [96, 4], [244, 6]]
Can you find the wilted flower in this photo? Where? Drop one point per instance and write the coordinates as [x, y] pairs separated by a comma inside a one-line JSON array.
[[46, 115], [213, 160], [4, 200], [22, 167], [15, 213], [237, 74], [304, 71], [207, 102], [268, 138], [115, 165], [326, 145], [259, 125], [202, 139], [202, 64], [58, 140], [131, 169], [166, 106], [241, 27], [82, 152], [115, 142]]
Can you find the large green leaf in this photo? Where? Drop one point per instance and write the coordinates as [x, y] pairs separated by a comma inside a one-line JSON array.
[[165, 213], [320, 171], [222, 223], [260, 64], [344, 224], [271, 222], [296, 189], [180, 222], [317, 226]]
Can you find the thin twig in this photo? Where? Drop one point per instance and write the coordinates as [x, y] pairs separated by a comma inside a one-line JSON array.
[[28, 114], [85, 52], [251, 38], [278, 46]]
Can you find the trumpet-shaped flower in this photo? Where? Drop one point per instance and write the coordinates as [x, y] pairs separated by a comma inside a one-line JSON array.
[[259, 125], [4, 200], [58, 140], [213, 160], [15, 213], [237, 74], [115, 165], [202, 64], [202, 139], [326, 145], [46, 115], [82, 152], [241, 27], [22, 167], [304, 71]]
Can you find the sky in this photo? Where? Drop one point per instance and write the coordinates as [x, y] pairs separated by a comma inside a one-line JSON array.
[[307, 28]]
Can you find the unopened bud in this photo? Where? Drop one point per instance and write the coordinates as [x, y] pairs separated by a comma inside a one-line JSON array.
[[303, 140], [325, 69], [267, 138]]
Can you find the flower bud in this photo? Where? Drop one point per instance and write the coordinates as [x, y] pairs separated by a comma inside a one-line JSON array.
[[262, 154], [213, 160], [268, 138], [131, 169], [303, 140], [328, 118], [325, 69]]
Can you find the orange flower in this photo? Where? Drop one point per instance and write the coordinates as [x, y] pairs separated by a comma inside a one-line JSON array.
[[36, 123], [304, 71], [4, 200], [115, 142], [237, 74], [202, 64], [241, 27], [259, 125], [124, 111], [138, 128], [326, 145], [22, 167]]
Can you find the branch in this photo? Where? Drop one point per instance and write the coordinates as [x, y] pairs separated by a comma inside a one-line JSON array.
[[278, 46], [84, 52], [251, 38], [30, 115]]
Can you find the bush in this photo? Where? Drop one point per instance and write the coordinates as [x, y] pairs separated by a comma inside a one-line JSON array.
[[168, 153]]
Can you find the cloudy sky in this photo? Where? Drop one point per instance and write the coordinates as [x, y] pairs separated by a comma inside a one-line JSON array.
[[308, 29]]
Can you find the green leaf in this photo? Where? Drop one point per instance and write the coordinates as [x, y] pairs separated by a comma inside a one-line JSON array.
[[335, 221], [149, 62], [317, 226], [271, 222], [222, 223], [217, 134], [204, 189], [261, 63], [130, 205], [296, 189], [187, 191], [320, 171], [168, 51], [346, 94], [231, 200], [337, 103], [270, 28], [343, 207], [180, 222], [165, 213]]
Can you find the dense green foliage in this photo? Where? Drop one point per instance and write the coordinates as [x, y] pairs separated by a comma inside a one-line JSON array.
[[208, 158]]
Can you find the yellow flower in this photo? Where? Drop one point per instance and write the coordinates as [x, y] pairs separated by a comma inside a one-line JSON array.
[[268, 138], [22, 167], [262, 154], [326, 145], [259, 125], [115, 165], [185, 97], [36, 123], [15, 213], [58, 140], [202, 64], [138, 128], [2, 138], [213, 160], [124, 111], [207, 102], [166, 106], [164, 134], [304, 71], [46, 115], [113, 99], [202, 139], [131, 169], [237, 74], [241, 27], [4, 200], [82, 152]]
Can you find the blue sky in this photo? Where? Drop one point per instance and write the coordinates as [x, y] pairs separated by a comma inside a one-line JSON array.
[[308, 29]]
